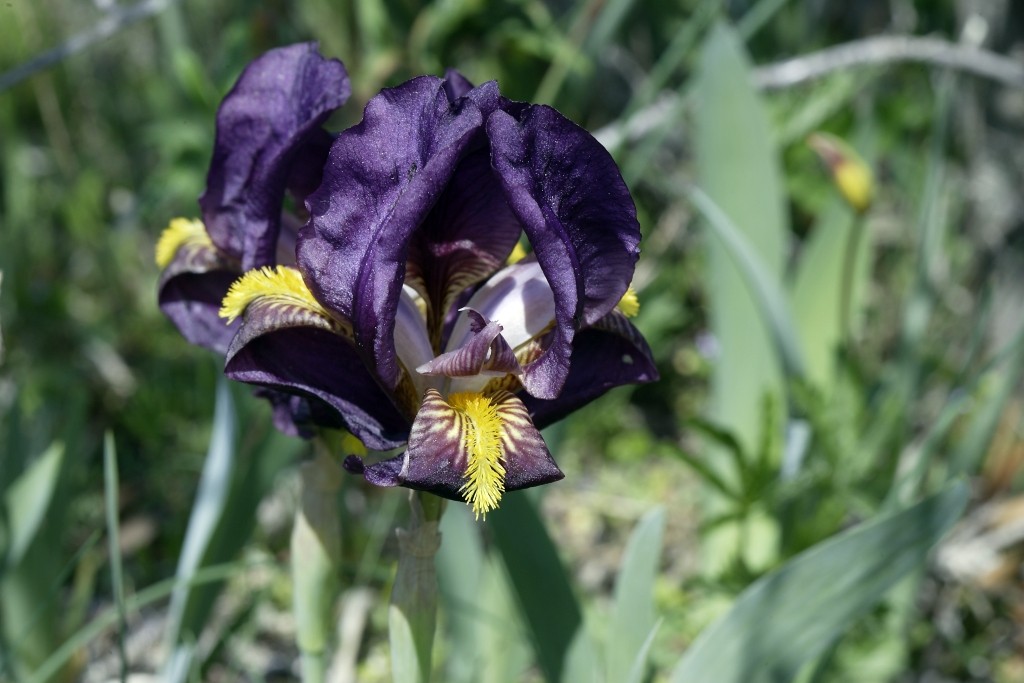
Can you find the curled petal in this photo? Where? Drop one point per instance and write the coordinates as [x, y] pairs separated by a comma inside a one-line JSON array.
[[518, 298], [471, 447], [263, 125], [383, 177], [288, 342], [486, 352], [456, 85], [296, 415], [194, 279], [578, 214], [609, 354]]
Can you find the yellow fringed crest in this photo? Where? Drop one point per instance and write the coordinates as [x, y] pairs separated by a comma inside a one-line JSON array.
[[179, 233]]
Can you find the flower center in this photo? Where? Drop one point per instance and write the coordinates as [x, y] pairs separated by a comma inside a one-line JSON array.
[[481, 428]]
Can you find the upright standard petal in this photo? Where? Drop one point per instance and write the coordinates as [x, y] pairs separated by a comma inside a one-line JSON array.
[[273, 114], [383, 177], [579, 216], [466, 237]]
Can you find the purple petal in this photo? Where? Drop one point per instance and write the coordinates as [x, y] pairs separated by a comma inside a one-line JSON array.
[[315, 362], [190, 292], [465, 238], [456, 85], [486, 351], [382, 179], [299, 415], [610, 354], [437, 461], [578, 214], [263, 125]]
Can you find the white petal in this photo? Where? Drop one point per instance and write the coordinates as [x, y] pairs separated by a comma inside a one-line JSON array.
[[518, 298]]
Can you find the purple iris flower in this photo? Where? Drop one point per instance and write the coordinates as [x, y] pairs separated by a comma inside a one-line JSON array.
[[269, 145], [405, 310]]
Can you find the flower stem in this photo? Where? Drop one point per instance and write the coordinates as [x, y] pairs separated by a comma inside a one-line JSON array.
[[846, 284], [315, 551], [412, 616]]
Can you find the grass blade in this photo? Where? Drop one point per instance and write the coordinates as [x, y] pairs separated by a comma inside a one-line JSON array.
[[639, 667], [110, 484], [28, 499], [208, 508]]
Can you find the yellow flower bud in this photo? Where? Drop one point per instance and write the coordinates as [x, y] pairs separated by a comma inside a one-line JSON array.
[[850, 173]]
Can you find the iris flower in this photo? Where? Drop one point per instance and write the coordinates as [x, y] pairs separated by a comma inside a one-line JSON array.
[[406, 311], [270, 145]]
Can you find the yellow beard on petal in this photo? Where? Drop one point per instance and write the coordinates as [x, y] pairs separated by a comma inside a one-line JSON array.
[[181, 232], [481, 441], [280, 286]]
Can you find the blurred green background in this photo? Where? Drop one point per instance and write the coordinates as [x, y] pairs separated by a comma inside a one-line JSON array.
[[749, 462]]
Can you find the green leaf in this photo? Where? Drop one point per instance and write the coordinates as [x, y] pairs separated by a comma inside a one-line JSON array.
[[772, 306], [460, 562], [790, 616], [540, 582], [738, 168], [816, 290], [223, 516], [111, 488], [639, 667], [633, 614], [28, 499]]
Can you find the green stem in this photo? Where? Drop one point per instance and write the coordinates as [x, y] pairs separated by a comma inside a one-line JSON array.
[[412, 616], [846, 286], [316, 550]]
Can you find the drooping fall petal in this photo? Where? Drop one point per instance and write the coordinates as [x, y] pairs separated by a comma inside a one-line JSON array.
[[470, 447]]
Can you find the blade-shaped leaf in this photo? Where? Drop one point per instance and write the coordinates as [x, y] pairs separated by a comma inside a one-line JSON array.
[[223, 516], [460, 562], [540, 582], [639, 666], [738, 168], [28, 499], [633, 615], [790, 616]]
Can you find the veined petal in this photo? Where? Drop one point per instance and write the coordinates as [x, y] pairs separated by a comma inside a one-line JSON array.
[[578, 214], [263, 125], [609, 354], [486, 353], [181, 233], [466, 237], [195, 278], [383, 177], [471, 447]]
